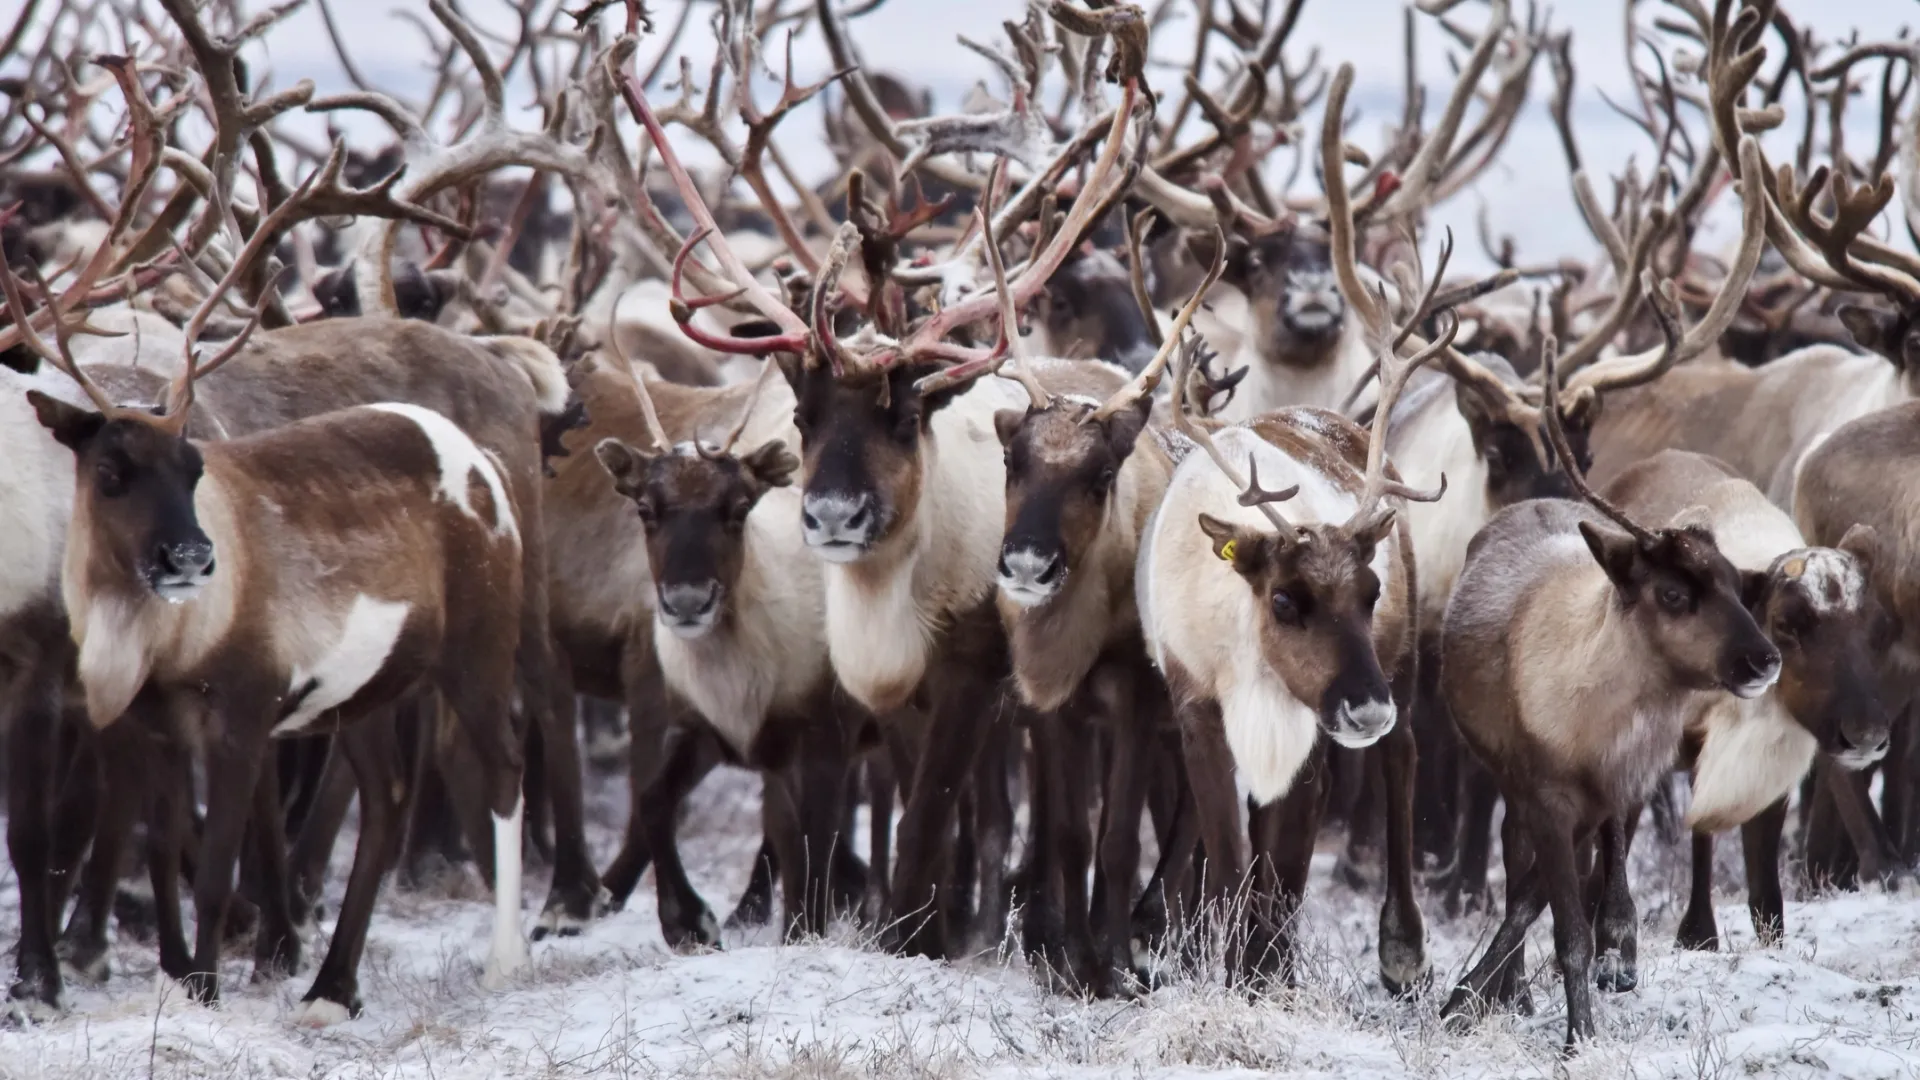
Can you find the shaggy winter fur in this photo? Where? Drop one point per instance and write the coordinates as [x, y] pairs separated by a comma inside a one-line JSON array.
[[1761, 421], [1199, 615], [768, 653], [36, 487], [885, 612], [1428, 439]]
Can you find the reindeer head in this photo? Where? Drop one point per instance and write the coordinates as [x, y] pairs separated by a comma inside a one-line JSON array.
[[863, 439], [694, 504], [135, 480], [1892, 334], [1315, 588], [1511, 436], [1288, 278], [1688, 601], [1818, 607], [1063, 460], [1089, 312]]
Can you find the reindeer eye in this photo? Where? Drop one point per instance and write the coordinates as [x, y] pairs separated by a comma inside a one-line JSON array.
[[1672, 597], [1289, 609], [648, 516], [1104, 481], [110, 479]]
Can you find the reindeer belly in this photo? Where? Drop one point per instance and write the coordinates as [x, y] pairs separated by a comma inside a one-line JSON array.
[[377, 654]]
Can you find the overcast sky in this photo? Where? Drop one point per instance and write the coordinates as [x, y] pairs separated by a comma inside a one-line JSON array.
[[1526, 191]]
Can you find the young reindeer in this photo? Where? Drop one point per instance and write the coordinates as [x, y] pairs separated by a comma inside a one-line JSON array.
[[1305, 641], [1747, 755], [739, 611], [1572, 655], [1079, 495], [380, 549]]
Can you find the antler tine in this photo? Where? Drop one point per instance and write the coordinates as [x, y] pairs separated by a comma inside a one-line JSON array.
[[59, 357], [1619, 373], [1343, 243], [1557, 435], [655, 430], [1144, 383], [1186, 426], [746, 410], [1425, 168], [1255, 495], [1038, 398], [1394, 373]]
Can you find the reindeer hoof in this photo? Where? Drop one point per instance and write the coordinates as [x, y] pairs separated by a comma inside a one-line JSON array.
[[1615, 973], [86, 963], [754, 909], [702, 936], [567, 919], [35, 996], [321, 1013]]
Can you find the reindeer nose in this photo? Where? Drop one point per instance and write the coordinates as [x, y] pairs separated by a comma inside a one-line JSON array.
[[186, 559], [688, 603], [1030, 569], [1755, 670], [837, 519]]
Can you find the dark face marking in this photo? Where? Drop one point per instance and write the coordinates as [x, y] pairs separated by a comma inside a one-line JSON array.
[[1090, 313], [1288, 278], [1061, 473], [1689, 600], [135, 485], [862, 443], [1316, 592], [694, 509], [1814, 604]]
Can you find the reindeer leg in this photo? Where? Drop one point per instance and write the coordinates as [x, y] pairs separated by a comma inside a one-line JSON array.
[[1495, 977], [963, 718], [992, 834], [1554, 856], [276, 944], [1075, 850], [685, 920], [167, 828], [1126, 794], [1217, 805], [234, 762], [1403, 933], [1162, 912], [1760, 847], [756, 904], [650, 716], [480, 693], [1698, 929], [122, 750], [372, 749], [881, 787], [1615, 929], [1467, 889], [822, 788], [313, 845], [1879, 860], [1040, 916], [1296, 823], [35, 727]]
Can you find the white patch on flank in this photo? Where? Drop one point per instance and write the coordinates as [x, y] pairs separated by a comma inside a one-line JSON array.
[[371, 629], [460, 457], [508, 953], [1752, 754], [320, 1013]]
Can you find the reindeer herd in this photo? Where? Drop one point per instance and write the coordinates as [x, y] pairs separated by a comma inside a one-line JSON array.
[[1057, 455]]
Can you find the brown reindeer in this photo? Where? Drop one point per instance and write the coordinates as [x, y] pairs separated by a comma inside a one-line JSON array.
[[739, 612], [381, 548], [1079, 495], [1746, 755], [1572, 654]]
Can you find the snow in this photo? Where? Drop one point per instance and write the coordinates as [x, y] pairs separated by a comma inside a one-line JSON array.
[[1839, 999]]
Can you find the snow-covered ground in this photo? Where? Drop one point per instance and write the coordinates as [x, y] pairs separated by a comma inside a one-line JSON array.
[[1840, 999]]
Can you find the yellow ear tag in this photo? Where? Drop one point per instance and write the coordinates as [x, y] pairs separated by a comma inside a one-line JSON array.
[[1226, 551]]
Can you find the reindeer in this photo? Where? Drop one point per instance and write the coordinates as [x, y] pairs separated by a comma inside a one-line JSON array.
[[1321, 613], [1572, 655], [1079, 496], [381, 548], [1848, 485], [1746, 755], [739, 606]]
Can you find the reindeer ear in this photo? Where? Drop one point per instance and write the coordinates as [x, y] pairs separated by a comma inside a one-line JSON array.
[[1245, 549], [1873, 330], [1862, 541], [73, 427], [1006, 423], [626, 465], [1125, 426], [1616, 552], [772, 464]]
